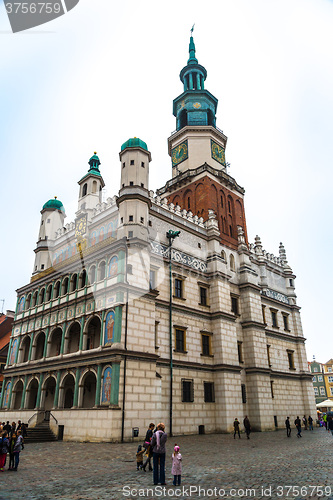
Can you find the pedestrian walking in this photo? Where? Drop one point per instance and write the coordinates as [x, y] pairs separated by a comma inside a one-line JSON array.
[[247, 426], [330, 424], [146, 445], [18, 447], [305, 422], [325, 420], [176, 466], [236, 428], [158, 444], [287, 422], [4, 448], [298, 426], [310, 420], [139, 457]]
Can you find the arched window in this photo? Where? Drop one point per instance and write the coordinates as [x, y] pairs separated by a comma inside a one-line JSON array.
[[73, 284], [84, 189], [101, 271], [83, 278], [223, 255], [34, 299], [48, 293], [27, 302], [41, 297], [94, 188], [56, 290], [183, 118], [232, 262], [64, 286], [92, 275]]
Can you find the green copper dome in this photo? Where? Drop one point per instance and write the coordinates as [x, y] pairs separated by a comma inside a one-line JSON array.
[[134, 143], [54, 204]]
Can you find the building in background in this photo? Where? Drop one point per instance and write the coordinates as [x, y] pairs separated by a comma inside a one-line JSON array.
[[6, 323], [155, 307], [328, 376], [318, 380]]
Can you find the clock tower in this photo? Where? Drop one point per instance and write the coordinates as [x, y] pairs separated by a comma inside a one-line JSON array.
[[200, 181], [197, 139], [91, 186]]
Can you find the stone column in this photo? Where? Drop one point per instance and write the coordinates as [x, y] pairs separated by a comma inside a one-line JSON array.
[[9, 349], [56, 393], [63, 339], [81, 335], [30, 348], [4, 382], [39, 390], [76, 388], [24, 392], [101, 340], [98, 385], [46, 342]]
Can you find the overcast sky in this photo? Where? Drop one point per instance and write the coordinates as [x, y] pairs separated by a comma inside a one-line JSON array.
[[107, 71]]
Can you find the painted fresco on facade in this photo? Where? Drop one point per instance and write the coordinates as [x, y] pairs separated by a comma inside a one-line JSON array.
[[13, 352], [113, 266], [109, 328], [21, 305], [106, 389], [6, 398]]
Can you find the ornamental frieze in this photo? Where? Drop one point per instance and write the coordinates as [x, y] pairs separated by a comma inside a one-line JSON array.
[[275, 295], [178, 257]]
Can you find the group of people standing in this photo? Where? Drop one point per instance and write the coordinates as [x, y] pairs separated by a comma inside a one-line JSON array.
[[12, 443], [247, 427], [307, 422], [154, 447]]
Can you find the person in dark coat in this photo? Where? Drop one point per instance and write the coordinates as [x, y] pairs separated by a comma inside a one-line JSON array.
[[158, 445], [330, 424], [236, 428], [287, 422], [146, 444], [310, 420], [247, 426], [298, 426]]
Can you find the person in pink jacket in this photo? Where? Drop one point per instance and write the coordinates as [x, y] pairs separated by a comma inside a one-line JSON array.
[[176, 466]]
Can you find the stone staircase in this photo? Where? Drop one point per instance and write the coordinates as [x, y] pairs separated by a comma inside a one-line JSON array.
[[40, 433]]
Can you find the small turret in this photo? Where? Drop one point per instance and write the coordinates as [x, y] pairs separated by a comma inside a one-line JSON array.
[[91, 186], [53, 216]]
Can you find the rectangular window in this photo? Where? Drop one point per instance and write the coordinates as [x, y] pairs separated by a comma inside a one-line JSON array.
[[130, 218], [322, 391], [315, 369], [234, 304], [331, 389], [314, 379], [269, 355], [156, 334], [320, 378], [42, 266], [179, 288], [130, 234], [131, 183], [152, 279], [243, 393], [209, 392], [180, 340], [187, 391], [285, 322], [329, 369], [291, 360], [263, 313], [124, 164], [143, 164], [203, 296], [132, 162], [142, 220], [272, 389], [316, 391], [240, 352], [274, 319], [206, 347], [330, 379]]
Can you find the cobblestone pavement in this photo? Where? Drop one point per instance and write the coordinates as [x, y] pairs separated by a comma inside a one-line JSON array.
[[221, 467]]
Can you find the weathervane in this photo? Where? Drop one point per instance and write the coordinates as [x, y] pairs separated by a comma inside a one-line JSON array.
[[192, 29]]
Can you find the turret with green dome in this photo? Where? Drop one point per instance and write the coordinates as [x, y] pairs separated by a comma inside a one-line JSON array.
[[91, 185], [54, 204], [134, 143]]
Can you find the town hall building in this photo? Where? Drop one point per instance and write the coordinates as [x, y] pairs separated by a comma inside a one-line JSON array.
[[154, 307]]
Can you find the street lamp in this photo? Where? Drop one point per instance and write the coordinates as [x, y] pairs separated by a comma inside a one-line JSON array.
[[171, 235]]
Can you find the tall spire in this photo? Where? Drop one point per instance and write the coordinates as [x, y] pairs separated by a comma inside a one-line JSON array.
[[191, 49]]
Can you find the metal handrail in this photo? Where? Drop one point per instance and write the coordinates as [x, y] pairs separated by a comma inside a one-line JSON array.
[[32, 417], [56, 421]]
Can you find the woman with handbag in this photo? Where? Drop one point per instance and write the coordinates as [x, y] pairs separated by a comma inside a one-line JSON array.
[[18, 447]]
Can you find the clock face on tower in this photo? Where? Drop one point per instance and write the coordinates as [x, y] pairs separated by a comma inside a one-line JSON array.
[[218, 152], [179, 153], [81, 225]]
